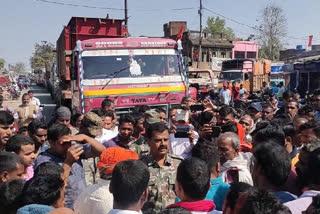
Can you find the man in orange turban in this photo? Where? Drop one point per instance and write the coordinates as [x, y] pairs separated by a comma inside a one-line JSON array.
[[97, 198]]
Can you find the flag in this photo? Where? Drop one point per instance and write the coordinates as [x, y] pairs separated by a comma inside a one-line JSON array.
[[179, 35], [310, 41]]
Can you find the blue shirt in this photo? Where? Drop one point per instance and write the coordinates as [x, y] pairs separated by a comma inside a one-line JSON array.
[[76, 182], [217, 192], [284, 196], [317, 115]]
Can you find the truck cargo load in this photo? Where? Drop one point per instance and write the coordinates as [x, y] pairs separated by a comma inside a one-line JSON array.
[[249, 72]]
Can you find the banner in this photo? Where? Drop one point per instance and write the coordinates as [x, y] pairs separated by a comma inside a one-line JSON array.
[[310, 41]]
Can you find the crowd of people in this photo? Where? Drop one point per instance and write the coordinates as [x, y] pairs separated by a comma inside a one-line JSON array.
[[230, 153]]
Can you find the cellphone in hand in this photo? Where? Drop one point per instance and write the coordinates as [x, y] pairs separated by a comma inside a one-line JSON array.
[[86, 147], [216, 131], [197, 108], [182, 131]]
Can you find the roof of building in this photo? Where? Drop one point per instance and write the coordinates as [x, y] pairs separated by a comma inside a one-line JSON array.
[[211, 42]]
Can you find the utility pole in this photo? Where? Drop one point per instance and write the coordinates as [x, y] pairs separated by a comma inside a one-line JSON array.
[[126, 12], [200, 36]]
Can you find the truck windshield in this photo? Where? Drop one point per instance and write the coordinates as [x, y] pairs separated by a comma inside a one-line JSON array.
[[101, 67], [232, 76]]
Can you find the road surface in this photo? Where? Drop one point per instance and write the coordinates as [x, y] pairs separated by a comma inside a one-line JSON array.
[[43, 95]]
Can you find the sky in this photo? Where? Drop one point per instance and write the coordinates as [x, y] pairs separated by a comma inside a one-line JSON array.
[[26, 22]]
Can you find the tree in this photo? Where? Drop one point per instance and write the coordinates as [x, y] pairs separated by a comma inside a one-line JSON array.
[[2, 63], [19, 67], [271, 31], [217, 25], [44, 56]]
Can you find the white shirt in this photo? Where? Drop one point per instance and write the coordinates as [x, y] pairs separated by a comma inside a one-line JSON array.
[[182, 146], [35, 101], [116, 211], [95, 199], [302, 203], [108, 134], [241, 164], [281, 91], [225, 95]]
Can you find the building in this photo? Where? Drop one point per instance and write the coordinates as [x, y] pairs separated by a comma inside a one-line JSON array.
[[212, 45], [304, 68], [245, 49]]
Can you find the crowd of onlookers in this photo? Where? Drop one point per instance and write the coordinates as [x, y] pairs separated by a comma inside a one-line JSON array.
[[247, 154]]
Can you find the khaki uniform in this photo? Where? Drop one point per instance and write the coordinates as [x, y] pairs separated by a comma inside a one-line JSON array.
[[139, 146], [161, 183]]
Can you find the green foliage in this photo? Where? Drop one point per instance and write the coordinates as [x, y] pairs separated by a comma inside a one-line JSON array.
[[216, 25], [19, 67], [2, 63], [43, 57]]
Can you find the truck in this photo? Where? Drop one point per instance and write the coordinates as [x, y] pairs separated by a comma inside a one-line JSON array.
[[203, 80], [249, 72], [96, 60], [39, 75]]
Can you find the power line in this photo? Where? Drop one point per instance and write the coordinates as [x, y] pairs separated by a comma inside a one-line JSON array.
[[252, 27], [112, 8]]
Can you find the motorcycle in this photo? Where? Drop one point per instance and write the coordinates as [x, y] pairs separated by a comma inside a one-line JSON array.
[[12, 94]]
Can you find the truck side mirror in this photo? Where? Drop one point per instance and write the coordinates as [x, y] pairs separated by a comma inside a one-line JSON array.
[[246, 77]]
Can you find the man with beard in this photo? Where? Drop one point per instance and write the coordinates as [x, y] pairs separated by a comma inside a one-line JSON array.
[[310, 175], [6, 127], [162, 166]]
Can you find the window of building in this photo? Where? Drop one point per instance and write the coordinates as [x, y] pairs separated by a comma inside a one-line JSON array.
[[214, 54], [239, 54], [223, 54], [251, 54]]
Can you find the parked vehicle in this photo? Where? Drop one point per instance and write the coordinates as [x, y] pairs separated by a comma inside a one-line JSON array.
[[12, 93], [203, 80], [103, 63], [249, 72]]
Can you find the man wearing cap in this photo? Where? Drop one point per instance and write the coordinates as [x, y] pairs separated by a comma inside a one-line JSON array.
[[63, 116], [254, 111], [97, 198], [225, 94], [91, 125]]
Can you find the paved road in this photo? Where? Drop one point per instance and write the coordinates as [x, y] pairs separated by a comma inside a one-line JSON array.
[[45, 99], [44, 96]]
